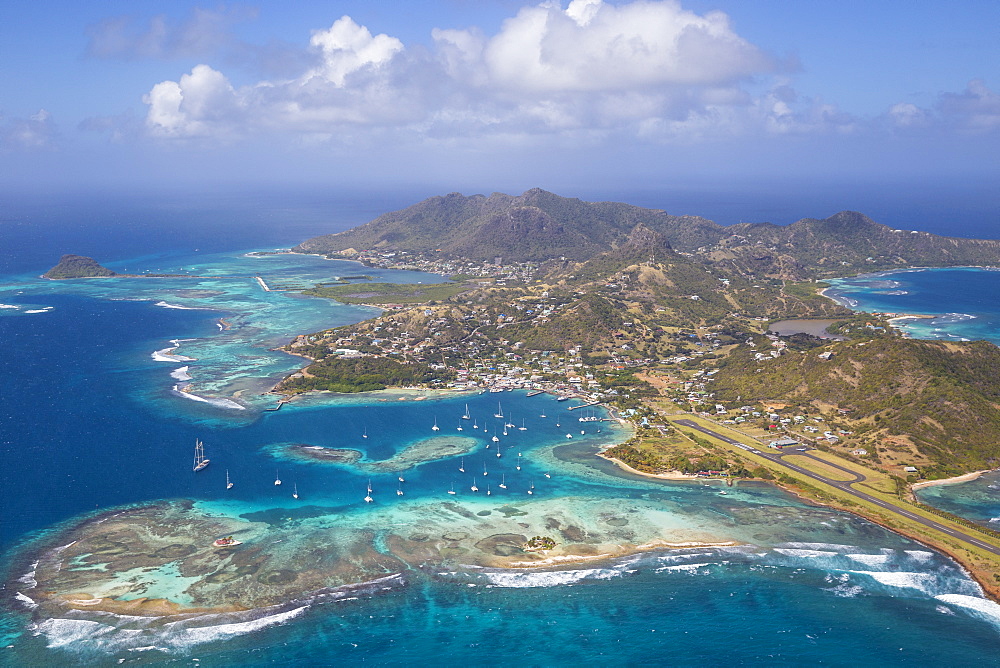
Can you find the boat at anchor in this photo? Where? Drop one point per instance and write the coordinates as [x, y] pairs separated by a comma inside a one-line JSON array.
[[200, 461]]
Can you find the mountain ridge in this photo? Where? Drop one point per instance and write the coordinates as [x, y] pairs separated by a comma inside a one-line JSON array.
[[538, 225]]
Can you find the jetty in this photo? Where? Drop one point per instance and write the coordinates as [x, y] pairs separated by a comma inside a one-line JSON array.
[[535, 393], [262, 284], [592, 403]]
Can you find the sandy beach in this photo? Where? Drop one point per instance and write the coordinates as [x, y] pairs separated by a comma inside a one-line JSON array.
[[949, 481], [669, 475]]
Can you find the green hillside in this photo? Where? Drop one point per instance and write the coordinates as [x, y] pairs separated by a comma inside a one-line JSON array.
[[77, 266], [943, 398]]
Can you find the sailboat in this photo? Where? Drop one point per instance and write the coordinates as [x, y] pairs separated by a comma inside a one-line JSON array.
[[503, 481], [295, 490], [498, 452], [365, 435], [277, 480], [462, 467], [368, 497], [547, 475], [522, 427], [474, 425], [436, 427], [399, 489], [505, 430], [459, 426], [485, 472], [499, 413], [452, 490], [519, 461], [531, 490], [402, 479], [200, 461], [465, 415], [488, 492], [474, 488], [229, 485]]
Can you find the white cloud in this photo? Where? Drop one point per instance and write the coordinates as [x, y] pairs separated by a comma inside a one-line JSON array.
[[202, 103], [204, 32], [646, 69], [347, 47], [37, 132], [592, 46], [976, 110]]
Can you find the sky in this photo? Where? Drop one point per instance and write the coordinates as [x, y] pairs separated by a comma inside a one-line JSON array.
[[585, 98]]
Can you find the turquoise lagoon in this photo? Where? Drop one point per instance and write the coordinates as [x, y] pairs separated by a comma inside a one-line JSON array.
[[94, 429]]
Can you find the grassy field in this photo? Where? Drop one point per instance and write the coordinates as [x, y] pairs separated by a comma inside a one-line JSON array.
[[810, 464], [388, 293]]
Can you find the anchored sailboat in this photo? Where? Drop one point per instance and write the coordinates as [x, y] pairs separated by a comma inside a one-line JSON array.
[[474, 488], [295, 490], [200, 461], [452, 490], [503, 481], [277, 480], [368, 496], [229, 485], [499, 413], [436, 427], [465, 415]]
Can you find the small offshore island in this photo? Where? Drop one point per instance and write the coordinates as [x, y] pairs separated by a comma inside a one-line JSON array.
[[662, 319]]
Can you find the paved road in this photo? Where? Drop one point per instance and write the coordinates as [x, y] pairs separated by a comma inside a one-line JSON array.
[[778, 458]]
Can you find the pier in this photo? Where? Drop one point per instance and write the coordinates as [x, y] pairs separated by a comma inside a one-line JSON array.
[[592, 403]]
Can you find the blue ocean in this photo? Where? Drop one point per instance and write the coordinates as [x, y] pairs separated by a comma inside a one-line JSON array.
[[956, 304], [109, 383]]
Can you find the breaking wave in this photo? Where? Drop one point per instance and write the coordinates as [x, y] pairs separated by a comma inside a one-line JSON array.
[[221, 403]]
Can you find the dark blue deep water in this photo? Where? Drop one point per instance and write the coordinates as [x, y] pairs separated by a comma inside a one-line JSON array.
[[87, 424]]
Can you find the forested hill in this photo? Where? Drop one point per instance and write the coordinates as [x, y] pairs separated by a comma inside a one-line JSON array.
[[849, 243], [931, 402], [534, 226], [77, 266], [539, 225]]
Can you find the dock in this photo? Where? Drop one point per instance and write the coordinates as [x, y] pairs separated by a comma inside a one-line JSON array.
[[535, 393], [592, 403], [262, 283]]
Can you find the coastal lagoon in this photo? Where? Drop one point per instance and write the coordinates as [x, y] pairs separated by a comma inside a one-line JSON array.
[[108, 533]]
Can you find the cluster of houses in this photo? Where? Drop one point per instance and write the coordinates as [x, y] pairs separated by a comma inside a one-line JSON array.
[[497, 269]]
